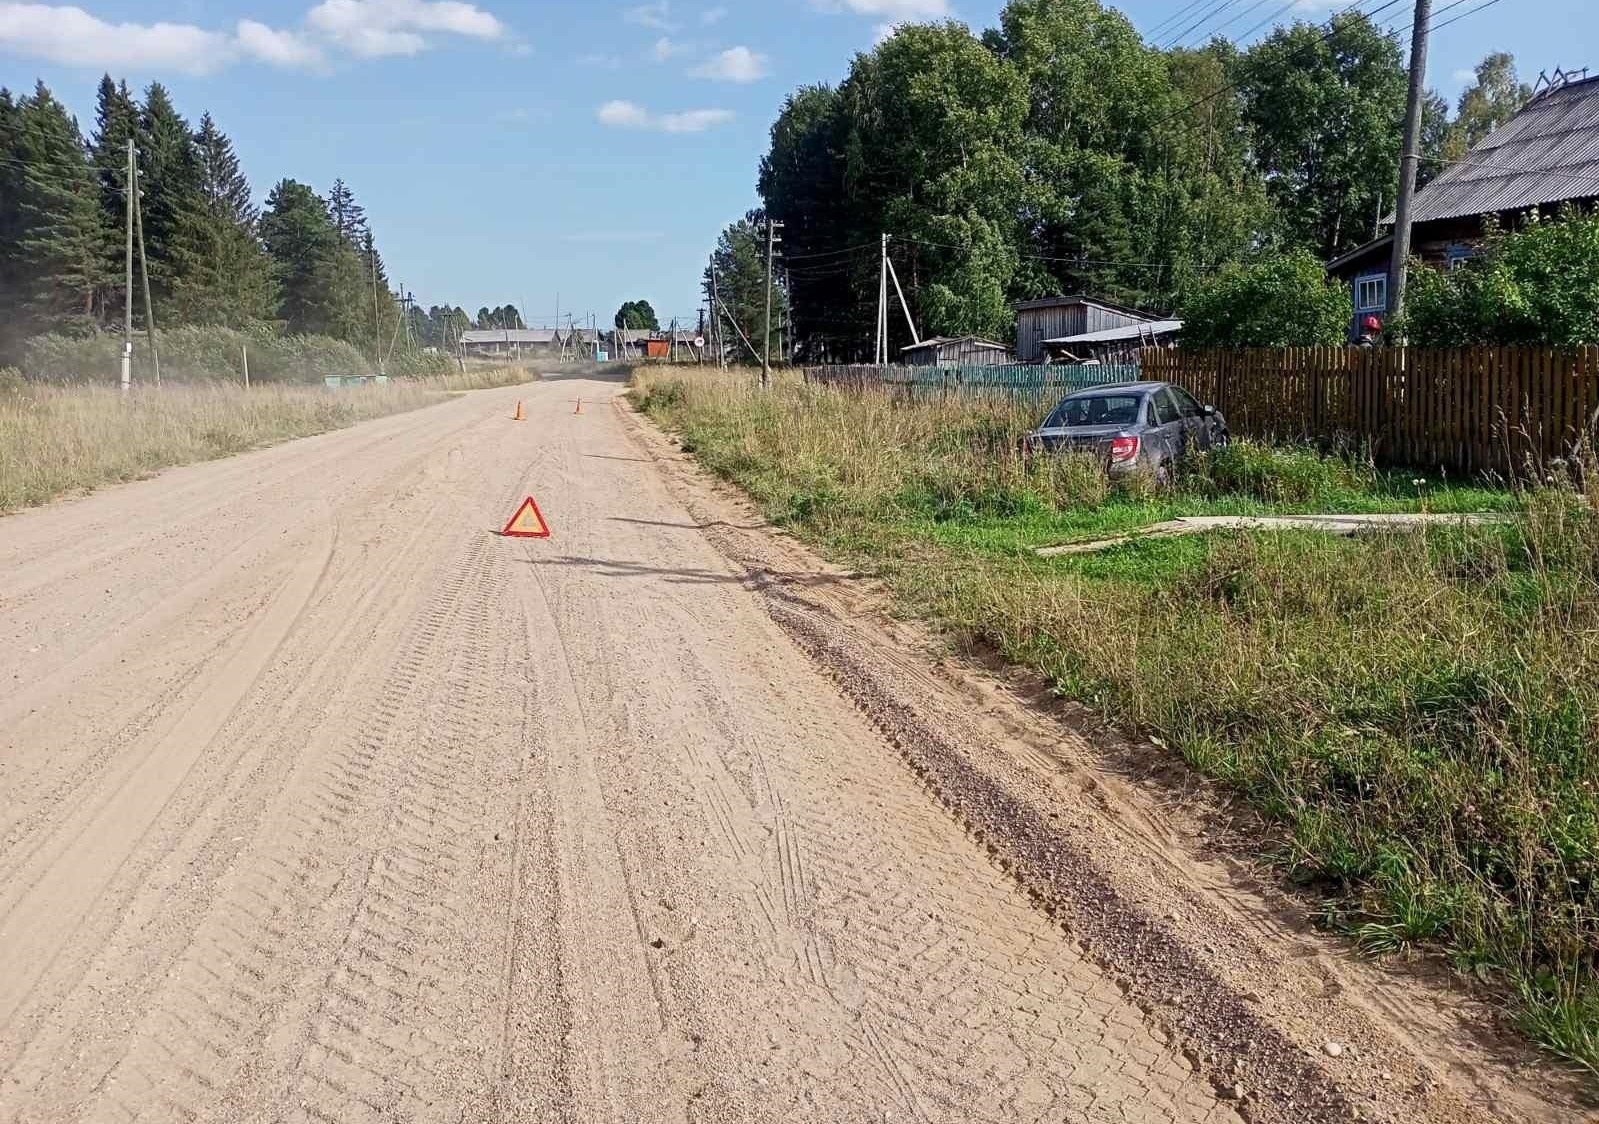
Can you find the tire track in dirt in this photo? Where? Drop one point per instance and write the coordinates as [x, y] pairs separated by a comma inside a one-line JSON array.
[[224, 953], [55, 886], [849, 901]]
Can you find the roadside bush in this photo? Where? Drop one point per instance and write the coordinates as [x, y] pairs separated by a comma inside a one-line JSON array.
[[1282, 301], [1538, 285], [420, 365], [194, 354]]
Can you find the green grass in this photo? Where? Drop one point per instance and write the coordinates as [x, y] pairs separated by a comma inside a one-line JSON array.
[[1416, 710]]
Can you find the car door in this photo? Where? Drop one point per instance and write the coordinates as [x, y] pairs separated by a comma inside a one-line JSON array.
[[1168, 423], [1196, 424]]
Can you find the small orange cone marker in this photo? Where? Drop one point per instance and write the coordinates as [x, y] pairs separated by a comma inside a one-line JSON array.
[[527, 523], [579, 409], [519, 415]]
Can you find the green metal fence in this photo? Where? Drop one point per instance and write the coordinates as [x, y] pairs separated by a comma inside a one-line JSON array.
[[1030, 382]]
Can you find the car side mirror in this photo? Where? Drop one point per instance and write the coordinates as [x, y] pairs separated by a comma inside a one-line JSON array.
[[1210, 411]]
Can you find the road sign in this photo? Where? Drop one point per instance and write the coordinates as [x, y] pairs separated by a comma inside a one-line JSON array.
[[699, 341], [527, 523]]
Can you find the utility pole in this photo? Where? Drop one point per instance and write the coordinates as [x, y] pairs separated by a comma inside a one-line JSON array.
[[716, 318], [127, 303], [377, 329], [766, 345], [881, 350], [144, 274], [916, 337], [1409, 157]]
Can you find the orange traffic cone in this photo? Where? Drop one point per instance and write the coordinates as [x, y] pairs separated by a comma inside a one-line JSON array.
[[520, 416], [579, 409]]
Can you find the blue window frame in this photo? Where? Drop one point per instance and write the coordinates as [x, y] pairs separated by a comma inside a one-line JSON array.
[[1371, 293]]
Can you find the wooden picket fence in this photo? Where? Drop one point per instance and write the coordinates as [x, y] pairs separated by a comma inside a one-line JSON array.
[[1470, 409], [1033, 383]]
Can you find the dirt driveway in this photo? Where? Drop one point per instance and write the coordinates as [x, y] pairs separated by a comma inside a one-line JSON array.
[[321, 802]]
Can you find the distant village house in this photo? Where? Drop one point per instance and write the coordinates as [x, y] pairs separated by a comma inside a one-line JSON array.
[[956, 351], [1544, 157], [1071, 329]]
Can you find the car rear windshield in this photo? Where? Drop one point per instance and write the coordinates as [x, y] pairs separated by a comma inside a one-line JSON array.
[[1099, 409]]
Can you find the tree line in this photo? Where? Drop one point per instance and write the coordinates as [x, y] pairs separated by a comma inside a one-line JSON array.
[[304, 263], [1060, 153]]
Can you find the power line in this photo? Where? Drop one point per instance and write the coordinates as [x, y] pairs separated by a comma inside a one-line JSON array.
[[832, 253], [1253, 7], [1462, 15], [1170, 20], [1210, 14], [1039, 257], [1278, 14], [1334, 29]]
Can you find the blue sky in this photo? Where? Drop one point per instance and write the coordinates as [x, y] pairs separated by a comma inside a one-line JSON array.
[[574, 150]]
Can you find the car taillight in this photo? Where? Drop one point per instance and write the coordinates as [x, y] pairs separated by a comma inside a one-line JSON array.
[[1123, 448]]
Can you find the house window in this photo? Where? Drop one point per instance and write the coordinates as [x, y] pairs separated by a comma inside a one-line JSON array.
[[1371, 294]]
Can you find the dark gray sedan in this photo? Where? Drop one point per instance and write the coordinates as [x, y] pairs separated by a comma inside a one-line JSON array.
[[1134, 426]]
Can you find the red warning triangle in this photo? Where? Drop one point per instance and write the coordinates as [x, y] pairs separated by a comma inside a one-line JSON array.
[[527, 523]]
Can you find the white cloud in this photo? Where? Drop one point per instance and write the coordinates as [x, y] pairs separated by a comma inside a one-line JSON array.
[[894, 11], [883, 32], [72, 37], [712, 16], [656, 15], [1464, 76], [736, 64], [665, 48], [631, 115], [624, 115], [695, 120], [280, 48], [371, 28]]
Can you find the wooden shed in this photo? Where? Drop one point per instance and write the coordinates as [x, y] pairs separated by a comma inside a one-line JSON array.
[[956, 351], [1058, 317]]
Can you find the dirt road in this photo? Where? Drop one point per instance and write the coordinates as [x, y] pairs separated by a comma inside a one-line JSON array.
[[320, 802]]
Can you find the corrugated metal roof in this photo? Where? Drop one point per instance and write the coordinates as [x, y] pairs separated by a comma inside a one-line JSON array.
[[1060, 302], [940, 341], [524, 336], [1129, 332], [1547, 153]]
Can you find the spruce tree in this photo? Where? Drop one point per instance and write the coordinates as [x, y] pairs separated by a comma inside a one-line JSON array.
[[116, 121], [60, 251], [169, 170], [349, 217], [10, 226], [221, 182], [219, 273], [302, 241]]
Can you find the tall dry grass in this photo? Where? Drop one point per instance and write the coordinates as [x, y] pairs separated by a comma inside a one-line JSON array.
[[57, 440], [1418, 712]]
